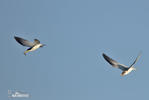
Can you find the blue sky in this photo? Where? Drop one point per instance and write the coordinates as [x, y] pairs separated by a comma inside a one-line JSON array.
[[76, 33]]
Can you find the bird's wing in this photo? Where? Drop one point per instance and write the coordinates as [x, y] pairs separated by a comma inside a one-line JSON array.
[[24, 42], [114, 63], [136, 60], [36, 41]]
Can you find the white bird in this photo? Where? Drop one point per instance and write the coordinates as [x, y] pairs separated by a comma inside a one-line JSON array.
[[126, 70], [33, 45]]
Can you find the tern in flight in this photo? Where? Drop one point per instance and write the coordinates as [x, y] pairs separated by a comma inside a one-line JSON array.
[[32, 45], [126, 70]]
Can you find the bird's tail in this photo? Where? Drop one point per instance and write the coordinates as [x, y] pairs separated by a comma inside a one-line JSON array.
[[26, 52]]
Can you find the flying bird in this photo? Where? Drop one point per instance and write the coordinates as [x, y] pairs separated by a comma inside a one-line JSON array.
[[125, 69], [32, 45]]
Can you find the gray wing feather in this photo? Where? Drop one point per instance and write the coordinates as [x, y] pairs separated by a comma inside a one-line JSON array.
[[114, 63], [24, 42], [36, 41], [136, 60]]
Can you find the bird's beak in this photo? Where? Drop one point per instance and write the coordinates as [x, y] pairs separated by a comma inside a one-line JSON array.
[[43, 45], [134, 69]]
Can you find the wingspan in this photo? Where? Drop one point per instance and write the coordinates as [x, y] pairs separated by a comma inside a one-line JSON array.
[[24, 42], [114, 63]]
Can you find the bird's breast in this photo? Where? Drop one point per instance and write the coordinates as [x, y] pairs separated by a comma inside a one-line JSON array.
[[35, 47]]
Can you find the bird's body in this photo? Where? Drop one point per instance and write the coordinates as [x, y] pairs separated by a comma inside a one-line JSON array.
[[126, 70], [33, 46]]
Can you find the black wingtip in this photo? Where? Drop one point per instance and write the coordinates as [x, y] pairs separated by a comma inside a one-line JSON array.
[[15, 37], [104, 55], [18, 39], [108, 59]]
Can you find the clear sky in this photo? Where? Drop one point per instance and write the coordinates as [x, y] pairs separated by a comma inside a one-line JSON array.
[[76, 33]]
